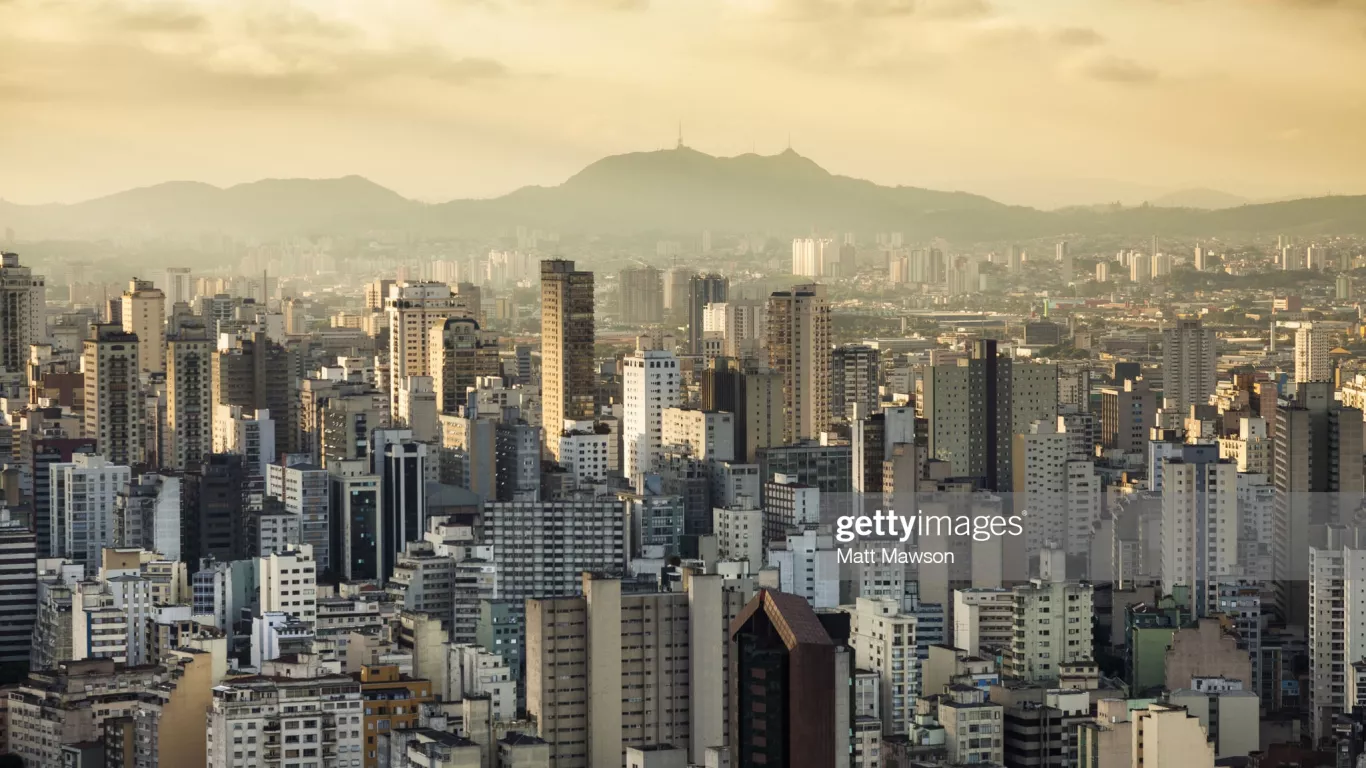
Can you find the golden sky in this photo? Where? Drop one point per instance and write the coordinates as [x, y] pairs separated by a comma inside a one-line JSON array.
[[1026, 100]]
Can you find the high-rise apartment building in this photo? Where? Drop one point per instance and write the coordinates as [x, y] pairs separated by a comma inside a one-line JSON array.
[[975, 408], [596, 685], [1062, 494], [23, 311], [144, 314], [1337, 625], [84, 494], [853, 382], [883, 639], [568, 384], [1317, 472], [258, 374], [188, 435], [1190, 360], [641, 296], [414, 309], [18, 588], [799, 349], [459, 357], [742, 323], [113, 399], [1200, 525], [754, 395], [1311, 355], [306, 492], [308, 716], [1053, 621], [703, 290], [651, 382], [542, 547]]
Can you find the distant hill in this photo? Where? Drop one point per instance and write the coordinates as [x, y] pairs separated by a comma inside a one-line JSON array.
[[667, 192], [1206, 199]]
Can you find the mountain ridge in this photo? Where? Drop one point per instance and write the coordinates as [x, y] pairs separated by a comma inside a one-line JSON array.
[[669, 191]]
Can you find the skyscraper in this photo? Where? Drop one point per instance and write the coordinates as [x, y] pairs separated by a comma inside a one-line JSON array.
[[785, 673], [401, 464], [1190, 358], [113, 402], [1200, 526], [458, 358], [853, 382], [799, 349], [414, 310], [1311, 355], [567, 335], [703, 290], [641, 294], [651, 382], [259, 374], [754, 395], [144, 314], [22, 311], [189, 397]]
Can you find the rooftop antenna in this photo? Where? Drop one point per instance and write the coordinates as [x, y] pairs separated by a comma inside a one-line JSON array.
[[680, 134]]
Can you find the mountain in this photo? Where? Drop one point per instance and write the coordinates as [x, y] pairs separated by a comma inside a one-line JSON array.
[[677, 191], [1207, 199]]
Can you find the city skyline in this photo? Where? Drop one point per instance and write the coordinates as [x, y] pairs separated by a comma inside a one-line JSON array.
[[443, 100]]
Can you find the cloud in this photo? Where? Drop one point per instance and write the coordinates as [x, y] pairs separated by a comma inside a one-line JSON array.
[[1116, 69], [1078, 37]]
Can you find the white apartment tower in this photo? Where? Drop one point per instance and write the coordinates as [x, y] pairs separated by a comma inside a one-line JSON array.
[[1200, 524], [289, 583], [84, 493], [651, 382], [1062, 493], [1311, 355]]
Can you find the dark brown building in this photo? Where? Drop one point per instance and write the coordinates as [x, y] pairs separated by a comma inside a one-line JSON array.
[[784, 677]]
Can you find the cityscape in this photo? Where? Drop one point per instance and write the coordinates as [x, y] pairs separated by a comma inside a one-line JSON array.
[[661, 384]]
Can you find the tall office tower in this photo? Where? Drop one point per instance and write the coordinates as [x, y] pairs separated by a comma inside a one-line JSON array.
[[1200, 525], [568, 383], [853, 382], [584, 665], [354, 522], [642, 296], [784, 666], [113, 399], [873, 439], [143, 308], [975, 407], [213, 508], [1062, 494], [47, 452], [754, 395], [1318, 478], [189, 397], [1190, 360], [259, 374], [18, 588], [1337, 625], [401, 464], [84, 493], [1311, 355], [1053, 622], [651, 382], [799, 349], [703, 290], [306, 492], [414, 309], [179, 287], [459, 357], [23, 312]]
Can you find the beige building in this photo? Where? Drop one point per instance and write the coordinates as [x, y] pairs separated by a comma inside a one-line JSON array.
[[884, 641], [113, 401], [414, 309], [1166, 735], [144, 314], [1052, 627], [459, 357], [1206, 650], [188, 435], [608, 671], [568, 383], [799, 349], [982, 618]]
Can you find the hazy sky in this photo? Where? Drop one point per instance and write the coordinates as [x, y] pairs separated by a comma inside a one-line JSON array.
[[1022, 99]]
